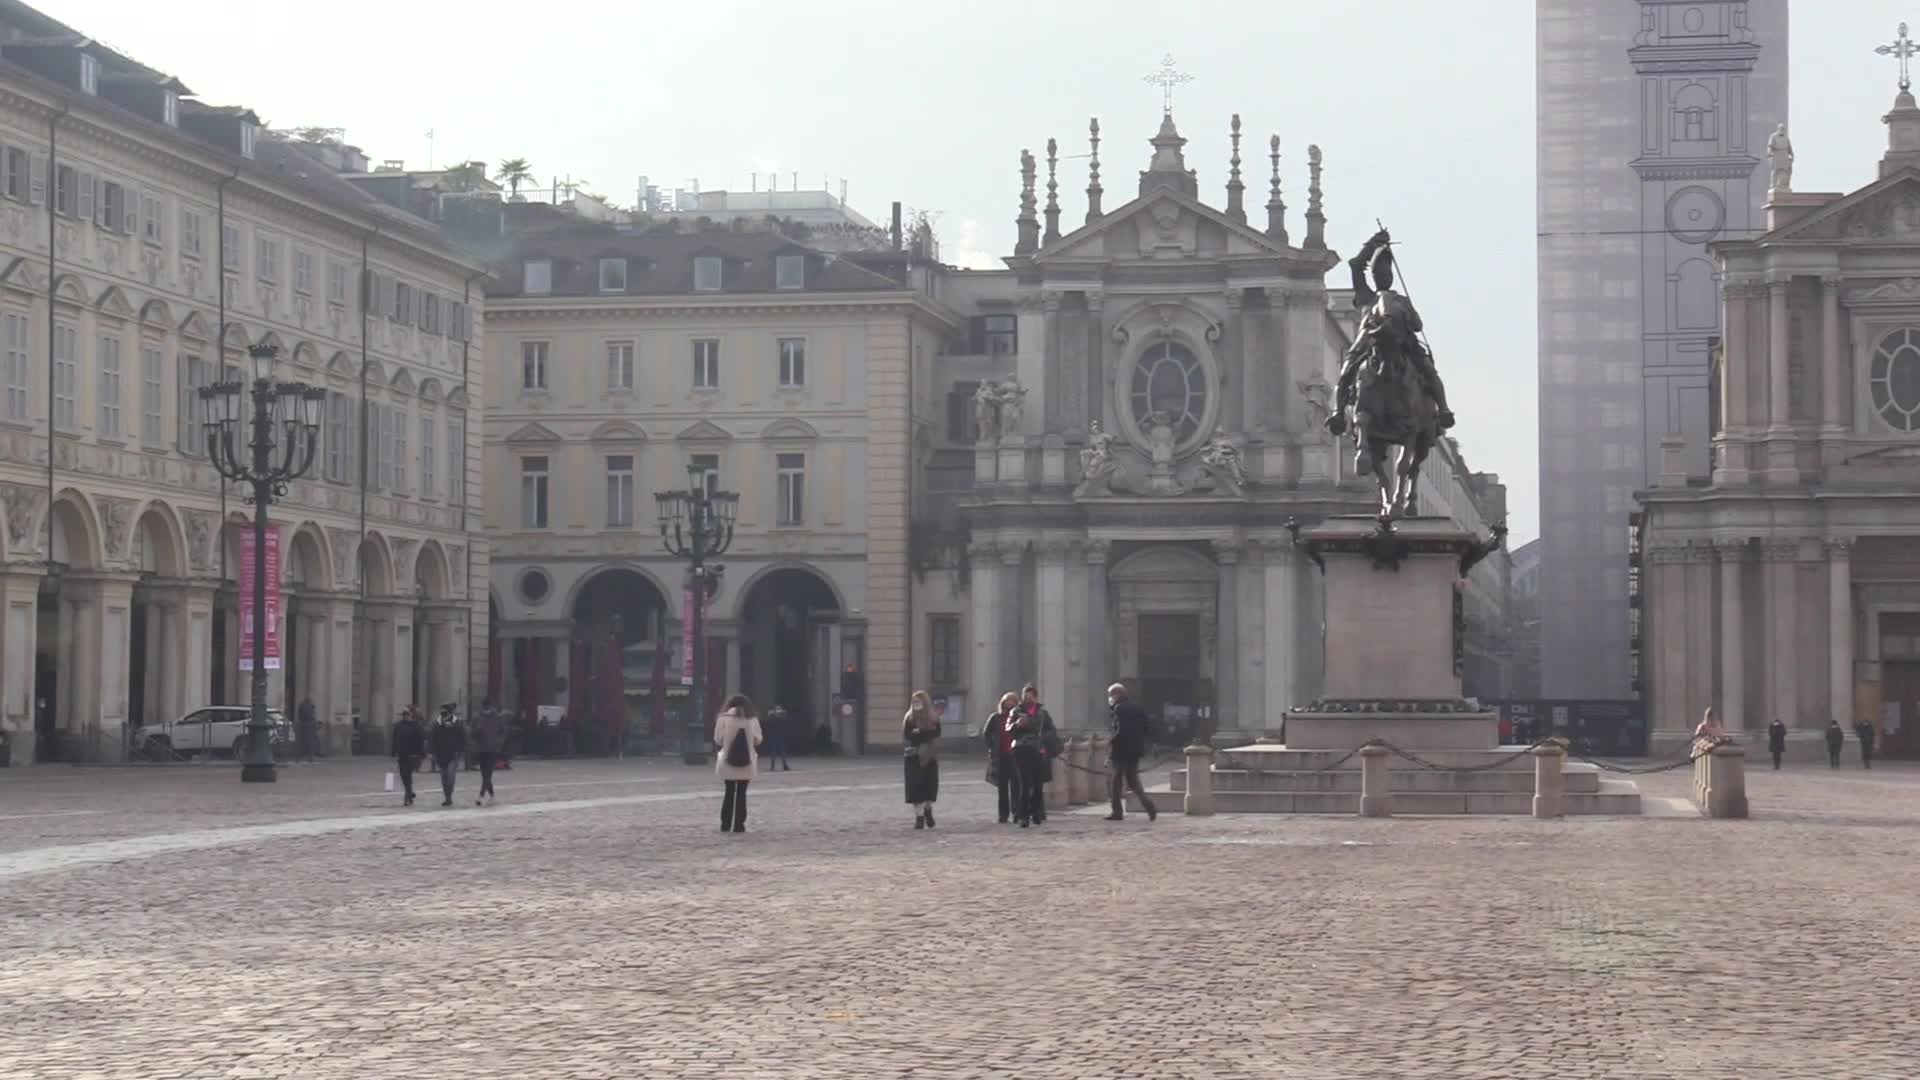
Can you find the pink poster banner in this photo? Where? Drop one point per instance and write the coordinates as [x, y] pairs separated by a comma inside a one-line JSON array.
[[246, 598], [686, 637]]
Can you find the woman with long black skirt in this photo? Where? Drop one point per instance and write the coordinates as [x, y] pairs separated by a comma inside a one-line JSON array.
[[920, 733]]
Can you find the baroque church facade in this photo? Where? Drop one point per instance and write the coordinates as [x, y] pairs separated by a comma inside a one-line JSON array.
[[1135, 420]]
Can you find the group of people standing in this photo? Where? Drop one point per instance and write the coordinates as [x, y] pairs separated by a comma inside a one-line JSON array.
[[449, 740]]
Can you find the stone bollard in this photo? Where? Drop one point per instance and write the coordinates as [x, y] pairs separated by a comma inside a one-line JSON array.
[[1727, 781], [1549, 780], [1200, 780], [1080, 784], [1376, 792]]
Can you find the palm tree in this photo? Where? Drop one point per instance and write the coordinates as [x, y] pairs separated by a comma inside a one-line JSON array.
[[514, 172]]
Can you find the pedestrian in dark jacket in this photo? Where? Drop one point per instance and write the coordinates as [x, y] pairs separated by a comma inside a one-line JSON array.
[[1864, 732], [307, 733], [448, 740], [1002, 772], [1036, 741], [486, 733], [1776, 741], [409, 746], [1129, 726], [1836, 738], [775, 729], [920, 732]]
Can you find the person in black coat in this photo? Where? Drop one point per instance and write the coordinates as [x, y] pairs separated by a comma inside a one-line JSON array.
[[1129, 725], [1002, 772], [1836, 738], [449, 740], [1776, 741], [1035, 741], [1864, 732], [409, 745]]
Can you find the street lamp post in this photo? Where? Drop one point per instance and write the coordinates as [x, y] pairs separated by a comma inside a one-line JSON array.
[[277, 447], [697, 525]]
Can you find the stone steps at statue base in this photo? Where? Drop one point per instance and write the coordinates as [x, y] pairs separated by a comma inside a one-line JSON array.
[[1581, 778], [1613, 797]]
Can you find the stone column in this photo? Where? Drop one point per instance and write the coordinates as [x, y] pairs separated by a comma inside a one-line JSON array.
[[377, 675], [196, 684], [1732, 673], [1226, 656], [19, 632], [1779, 401], [1699, 606], [109, 641], [1030, 367], [1093, 367], [983, 561], [1664, 635], [1051, 375], [1233, 355], [1099, 633], [1739, 354], [1283, 646], [1839, 631], [1832, 358], [1012, 608], [1782, 629], [277, 675], [334, 700], [1250, 583], [1056, 683]]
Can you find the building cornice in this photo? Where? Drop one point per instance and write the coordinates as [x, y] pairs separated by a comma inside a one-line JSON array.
[[540, 308]]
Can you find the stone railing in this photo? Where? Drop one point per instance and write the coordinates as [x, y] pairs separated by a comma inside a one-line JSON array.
[[1720, 777]]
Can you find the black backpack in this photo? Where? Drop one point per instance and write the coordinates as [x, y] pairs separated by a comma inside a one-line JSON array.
[[739, 755]]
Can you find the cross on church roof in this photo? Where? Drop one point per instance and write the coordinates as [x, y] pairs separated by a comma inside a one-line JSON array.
[[1167, 77], [1905, 48]]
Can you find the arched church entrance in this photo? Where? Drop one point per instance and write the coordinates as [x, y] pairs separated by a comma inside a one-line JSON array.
[[58, 679], [154, 651], [787, 621], [434, 665], [1165, 600], [618, 682]]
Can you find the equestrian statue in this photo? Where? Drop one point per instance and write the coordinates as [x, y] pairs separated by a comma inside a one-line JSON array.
[[1389, 395]]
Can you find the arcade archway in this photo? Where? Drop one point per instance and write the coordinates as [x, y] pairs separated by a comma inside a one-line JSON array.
[[788, 620]]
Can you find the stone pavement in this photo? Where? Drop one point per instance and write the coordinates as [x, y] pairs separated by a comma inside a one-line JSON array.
[[172, 923]]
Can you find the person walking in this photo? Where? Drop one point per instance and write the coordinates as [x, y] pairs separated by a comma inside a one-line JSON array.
[[920, 732], [1836, 738], [1035, 740], [1865, 733], [448, 740], [1002, 773], [409, 746], [486, 733], [1128, 724], [737, 735], [777, 739], [1776, 741], [307, 729]]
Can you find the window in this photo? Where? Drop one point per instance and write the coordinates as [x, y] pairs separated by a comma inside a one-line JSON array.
[[620, 491], [190, 223], [193, 411], [170, 109], [266, 253], [37, 180], [230, 247], [246, 140], [707, 273], [403, 301], [706, 363], [704, 471], [538, 277], [16, 169], [620, 365], [943, 649], [533, 493], [153, 390], [66, 377], [66, 190], [456, 462], [962, 427], [396, 426], [336, 281], [789, 271], [793, 362], [791, 489], [1893, 380], [533, 365], [150, 219], [993, 335], [427, 457], [302, 271], [613, 275], [18, 342], [337, 437], [110, 209], [89, 75], [430, 313], [1168, 385]]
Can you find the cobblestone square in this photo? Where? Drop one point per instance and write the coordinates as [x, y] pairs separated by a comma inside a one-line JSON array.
[[173, 923]]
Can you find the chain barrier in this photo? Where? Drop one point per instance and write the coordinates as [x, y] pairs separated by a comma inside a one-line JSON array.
[[1693, 754], [1406, 755]]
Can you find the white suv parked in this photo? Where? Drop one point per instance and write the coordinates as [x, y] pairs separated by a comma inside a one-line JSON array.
[[215, 729]]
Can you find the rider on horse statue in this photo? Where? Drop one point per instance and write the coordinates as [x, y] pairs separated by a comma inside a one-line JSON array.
[[1389, 325]]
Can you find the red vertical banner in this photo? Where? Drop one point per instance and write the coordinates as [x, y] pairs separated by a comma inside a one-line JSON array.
[[272, 650]]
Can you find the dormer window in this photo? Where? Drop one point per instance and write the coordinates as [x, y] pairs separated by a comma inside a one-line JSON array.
[[537, 277], [790, 271], [89, 74], [170, 108], [613, 275], [706, 273], [246, 139]]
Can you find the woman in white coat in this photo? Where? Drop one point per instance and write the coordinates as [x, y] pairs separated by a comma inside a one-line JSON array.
[[736, 734]]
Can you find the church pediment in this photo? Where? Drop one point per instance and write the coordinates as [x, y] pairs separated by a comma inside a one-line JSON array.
[[1887, 209], [533, 433], [21, 275], [1163, 223]]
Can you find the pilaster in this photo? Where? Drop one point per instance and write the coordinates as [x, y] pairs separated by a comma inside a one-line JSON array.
[[1733, 714], [983, 592], [1782, 463], [1226, 679], [1699, 608], [1782, 621], [1055, 679], [1250, 706], [1100, 670], [19, 629], [1280, 577], [1011, 607], [1839, 553]]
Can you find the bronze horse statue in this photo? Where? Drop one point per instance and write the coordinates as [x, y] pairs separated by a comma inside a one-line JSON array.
[[1389, 394]]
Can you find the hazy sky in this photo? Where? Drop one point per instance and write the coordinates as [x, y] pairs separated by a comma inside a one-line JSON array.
[[1423, 108]]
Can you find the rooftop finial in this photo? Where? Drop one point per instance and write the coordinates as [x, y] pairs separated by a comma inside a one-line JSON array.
[[1904, 48], [1235, 209], [1053, 192], [1276, 209], [1028, 240], [1316, 219], [1166, 76], [1093, 171]]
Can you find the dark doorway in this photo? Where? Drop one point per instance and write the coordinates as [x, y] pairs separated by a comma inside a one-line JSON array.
[[1170, 670], [785, 625], [46, 677], [1900, 708], [137, 665], [224, 684], [618, 662]]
